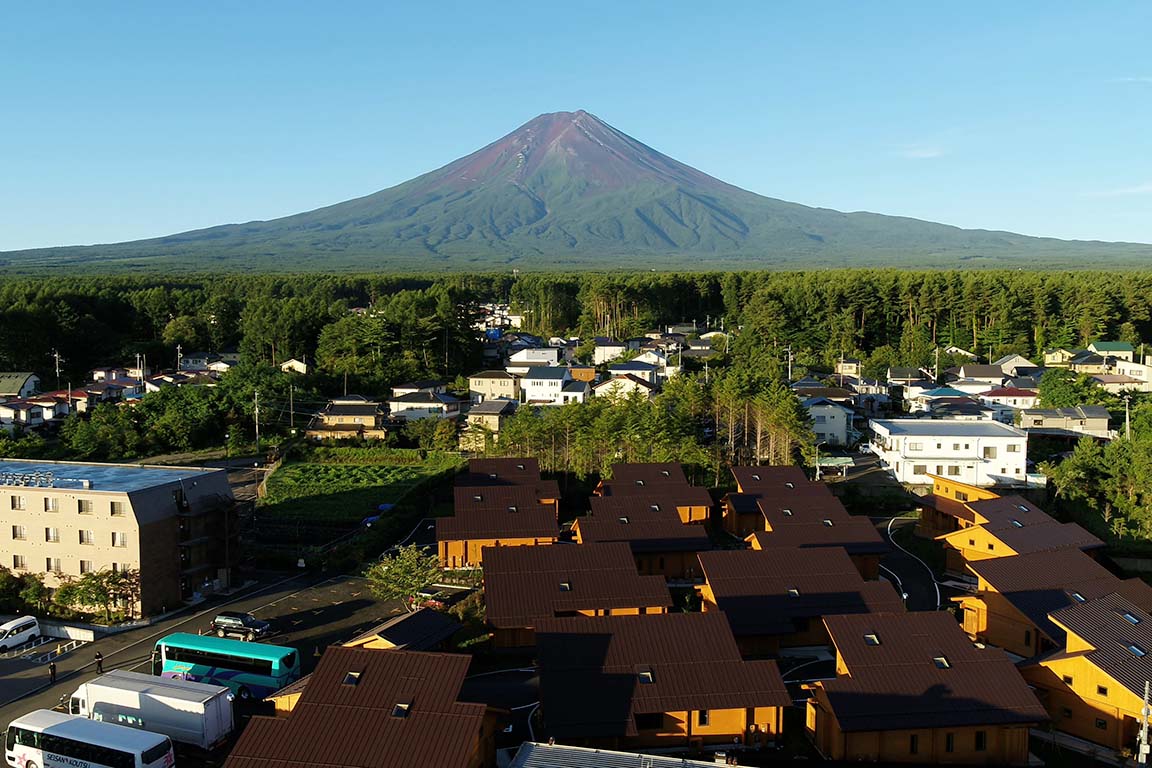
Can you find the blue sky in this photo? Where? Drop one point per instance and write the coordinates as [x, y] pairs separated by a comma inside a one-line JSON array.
[[128, 120]]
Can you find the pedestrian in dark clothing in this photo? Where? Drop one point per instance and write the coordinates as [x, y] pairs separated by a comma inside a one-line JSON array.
[[52, 672], [99, 663]]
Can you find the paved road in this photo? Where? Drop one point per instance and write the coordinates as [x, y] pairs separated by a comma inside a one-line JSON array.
[[310, 611], [909, 574]]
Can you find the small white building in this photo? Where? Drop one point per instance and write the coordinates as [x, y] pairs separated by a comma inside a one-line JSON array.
[[1013, 397], [981, 453], [646, 371], [545, 385], [1081, 420], [831, 421], [606, 350], [544, 355], [16, 385], [620, 388], [423, 405], [294, 366], [431, 386]]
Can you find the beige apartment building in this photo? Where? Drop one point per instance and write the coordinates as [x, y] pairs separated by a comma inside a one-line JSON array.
[[493, 385], [176, 525]]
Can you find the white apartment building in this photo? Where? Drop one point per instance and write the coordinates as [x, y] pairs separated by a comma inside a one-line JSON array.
[[982, 453], [175, 525], [545, 386], [831, 422]]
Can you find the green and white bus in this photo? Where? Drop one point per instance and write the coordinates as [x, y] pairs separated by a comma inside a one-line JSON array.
[[46, 739], [251, 670]]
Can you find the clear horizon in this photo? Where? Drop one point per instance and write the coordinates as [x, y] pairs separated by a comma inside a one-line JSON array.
[[139, 121]]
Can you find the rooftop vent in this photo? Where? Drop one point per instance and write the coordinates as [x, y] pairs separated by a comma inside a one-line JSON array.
[[1022, 507], [477, 497], [654, 507], [1077, 597], [519, 466], [645, 676], [789, 485], [665, 473], [491, 475], [639, 482]]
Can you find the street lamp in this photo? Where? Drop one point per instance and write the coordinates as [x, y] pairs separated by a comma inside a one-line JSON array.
[[819, 476]]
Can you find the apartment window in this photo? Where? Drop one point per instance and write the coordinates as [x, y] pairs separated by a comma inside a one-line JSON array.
[[954, 471], [86, 537], [915, 446], [939, 467], [1101, 690], [52, 564], [119, 539], [955, 446], [51, 505], [85, 566], [981, 741], [84, 506], [19, 563], [919, 469], [702, 717], [820, 419], [1013, 448], [117, 509], [18, 502], [949, 742], [914, 744], [51, 534], [989, 452], [18, 533], [1101, 723]]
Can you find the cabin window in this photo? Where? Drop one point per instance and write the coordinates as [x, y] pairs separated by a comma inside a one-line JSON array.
[[949, 742], [649, 721], [1028, 638], [981, 741], [1067, 679], [702, 717], [914, 744], [1101, 690], [1101, 723]]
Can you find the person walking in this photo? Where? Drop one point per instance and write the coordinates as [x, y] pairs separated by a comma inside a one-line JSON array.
[[52, 672], [99, 663]]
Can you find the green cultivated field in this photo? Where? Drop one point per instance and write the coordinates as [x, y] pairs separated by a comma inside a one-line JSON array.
[[338, 489]]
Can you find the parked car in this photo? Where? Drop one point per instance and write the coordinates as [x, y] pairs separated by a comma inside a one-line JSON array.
[[242, 625], [17, 632]]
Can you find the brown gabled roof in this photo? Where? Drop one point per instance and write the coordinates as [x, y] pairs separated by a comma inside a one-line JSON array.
[[501, 472], [857, 535], [495, 512], [1041, 538], [644, 528], [1120, 634], [1039, 583], [524, 585], [420, 630], [590, 671], [773, 481], [630, 479], [340, 724], [766, 593], [951, 507], [897, 684], [663, 498]]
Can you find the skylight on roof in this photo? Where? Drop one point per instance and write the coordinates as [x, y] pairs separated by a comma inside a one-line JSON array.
[[491, 475], [512, 508], [352, 678], [789, 485], [1017, 524], [828, 523], [1022, 507], [871, 639], [565, 586], [624, 520], [401, 709], [519, 466], [1077, 597], [646, 677], [1128, 617], [1137, 651], [664, 472], [655, 507], [793, 592], [639, 482], [787, 512], [477, 497], [942, 662], [755, 477]]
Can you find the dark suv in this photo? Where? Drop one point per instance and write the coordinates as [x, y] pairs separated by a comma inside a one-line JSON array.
[[242, 625]]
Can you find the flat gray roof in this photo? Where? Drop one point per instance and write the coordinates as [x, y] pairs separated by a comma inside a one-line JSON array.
[[946, 428], [66, 475]]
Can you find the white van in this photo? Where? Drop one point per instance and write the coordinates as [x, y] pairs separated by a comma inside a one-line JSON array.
[[18, 632]]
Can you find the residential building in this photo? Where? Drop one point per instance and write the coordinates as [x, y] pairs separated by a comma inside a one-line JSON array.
[[1117, 383], [621, 388], [1121, 350], [606, 350], [1013, 397], [1002, 526], [175, 525], [992, 375], [575, 392], [292, 365], [779, 508], [1015, 595], [544, 385], [542, 355], [1088, 362], [1058, 357], [653, 483], [18, 385], [493, 385], [982, 453], [494, 516], [661, 543], [646, 371], [956, 351], [1093, 687], [511, 471], [485, 422], [348, 417], [524, 585], [197, 361], [912, 688], [375, 710], [848, 366], [584, 373], [423, 405], [776, 599], [831, 422], [1012, 363], [903, 377], [673, 680], [1092, 420], [422, 630]]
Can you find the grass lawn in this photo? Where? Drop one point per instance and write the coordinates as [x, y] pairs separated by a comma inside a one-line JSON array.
[[341, 493]]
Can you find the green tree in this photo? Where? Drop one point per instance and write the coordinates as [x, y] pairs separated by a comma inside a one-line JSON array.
[[401, 574]]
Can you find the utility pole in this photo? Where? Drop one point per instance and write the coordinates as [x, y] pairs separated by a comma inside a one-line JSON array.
[[1142, 747], [936, 369], [788, 349], [69, 398], [1127, 418], [179, 354], [58, 359], [291, 408], [256, 396]]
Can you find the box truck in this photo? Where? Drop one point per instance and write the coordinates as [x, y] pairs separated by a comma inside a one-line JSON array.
[[189, 713]]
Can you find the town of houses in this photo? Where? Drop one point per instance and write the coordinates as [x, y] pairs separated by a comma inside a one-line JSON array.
[[664, 617]]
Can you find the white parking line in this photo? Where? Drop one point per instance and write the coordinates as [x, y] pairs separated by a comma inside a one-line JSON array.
[[931, 575]]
